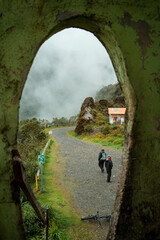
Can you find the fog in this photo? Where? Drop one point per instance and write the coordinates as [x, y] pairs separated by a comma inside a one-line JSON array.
[[69, 67]]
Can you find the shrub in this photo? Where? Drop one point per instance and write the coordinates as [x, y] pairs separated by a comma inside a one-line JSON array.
[[89, 128], [31, 167], [115, 134], [100, 115], [32, 224], [98, 136], [41, 136], [120, 135], [111, 140], [105, 130], [57, 234], [35, 229], [31, 139], [50, 144], [113, 127], [100, 119], [94, 112], [118, 141], [106, 119]]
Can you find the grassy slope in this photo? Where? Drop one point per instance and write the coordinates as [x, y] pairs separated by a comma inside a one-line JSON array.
[[112, 140]]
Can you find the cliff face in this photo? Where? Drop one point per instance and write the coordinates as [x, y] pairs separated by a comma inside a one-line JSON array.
[[92, 113], [86, 115]]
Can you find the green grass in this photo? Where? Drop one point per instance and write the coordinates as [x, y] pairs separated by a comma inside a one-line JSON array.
[[109, 140]]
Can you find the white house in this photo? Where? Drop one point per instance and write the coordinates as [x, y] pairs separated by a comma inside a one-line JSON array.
[[116, 115]]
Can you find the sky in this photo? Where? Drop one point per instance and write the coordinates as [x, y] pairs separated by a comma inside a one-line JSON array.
[[68, 67]]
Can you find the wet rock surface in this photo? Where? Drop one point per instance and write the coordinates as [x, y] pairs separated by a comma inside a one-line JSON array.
[[86, 183]]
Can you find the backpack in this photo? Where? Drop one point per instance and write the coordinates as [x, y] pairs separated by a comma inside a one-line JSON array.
[[103, 156]]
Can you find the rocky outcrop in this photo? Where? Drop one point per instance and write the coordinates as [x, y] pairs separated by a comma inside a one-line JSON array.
[[88, 102], [86, 116], [90, 111], [119, 101], [102, 106]]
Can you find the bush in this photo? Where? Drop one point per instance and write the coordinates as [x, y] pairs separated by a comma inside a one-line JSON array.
[[106, 119], [94, 112], [31, 167], [35, 229], [31, 139], [89, 128], [115, 134], [32, 224], [120, 135], [57, 234], [111, 140], [118, 141], [105, 130], [113, 127], [100, 119], [98, 136]]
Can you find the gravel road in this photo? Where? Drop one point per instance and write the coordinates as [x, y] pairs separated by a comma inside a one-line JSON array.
[[83, 177]]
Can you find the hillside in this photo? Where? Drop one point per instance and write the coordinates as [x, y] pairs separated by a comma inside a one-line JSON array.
[[108, 92], [94, 114]]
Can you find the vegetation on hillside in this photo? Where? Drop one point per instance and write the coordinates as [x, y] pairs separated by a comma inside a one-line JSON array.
[[108, 135], [93, 116], [71, 121], [93, 121], [113, 94], [108, 92], [31, 140], [59, 121]]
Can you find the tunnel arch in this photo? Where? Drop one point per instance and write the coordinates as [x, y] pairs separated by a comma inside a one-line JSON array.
[[111, 46], [133, 27], [108, 40]]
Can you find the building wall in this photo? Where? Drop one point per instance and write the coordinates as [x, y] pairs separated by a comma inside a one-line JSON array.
[[110, 119], [119, 120]]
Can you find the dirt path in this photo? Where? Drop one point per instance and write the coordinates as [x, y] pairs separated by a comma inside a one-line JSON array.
[[82, 176]]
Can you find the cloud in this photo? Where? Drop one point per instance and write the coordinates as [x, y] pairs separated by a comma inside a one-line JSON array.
[[69, 67]]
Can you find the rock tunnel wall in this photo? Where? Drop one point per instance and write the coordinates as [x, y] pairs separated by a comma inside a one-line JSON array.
[[129, 30]]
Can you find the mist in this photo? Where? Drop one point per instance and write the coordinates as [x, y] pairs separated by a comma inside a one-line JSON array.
[[69, 67]]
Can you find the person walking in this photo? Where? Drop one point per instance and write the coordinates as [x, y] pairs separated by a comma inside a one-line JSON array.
[[109, 166], [101, 159]]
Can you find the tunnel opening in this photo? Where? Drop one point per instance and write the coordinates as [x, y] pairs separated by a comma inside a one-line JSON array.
[[42, 90]]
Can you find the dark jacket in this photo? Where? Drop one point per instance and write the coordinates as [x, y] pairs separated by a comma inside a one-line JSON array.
[[100, 155], [108, 165]]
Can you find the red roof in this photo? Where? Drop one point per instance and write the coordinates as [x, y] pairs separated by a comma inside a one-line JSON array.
[[116, 110]]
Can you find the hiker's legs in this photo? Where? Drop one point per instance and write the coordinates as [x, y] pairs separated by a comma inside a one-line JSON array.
[[108, 176], [101, 164]]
